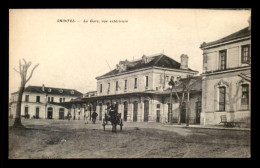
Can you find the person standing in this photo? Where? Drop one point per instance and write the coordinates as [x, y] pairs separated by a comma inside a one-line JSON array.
[[94, 116], [86, 116]]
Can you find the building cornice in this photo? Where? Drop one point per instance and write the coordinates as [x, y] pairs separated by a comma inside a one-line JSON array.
[[226, 71], [224, 43]]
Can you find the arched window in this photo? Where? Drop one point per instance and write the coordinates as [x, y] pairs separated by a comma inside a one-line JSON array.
[[245, 95]]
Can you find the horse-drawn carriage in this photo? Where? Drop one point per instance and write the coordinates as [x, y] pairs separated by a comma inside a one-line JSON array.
[[114, 118]]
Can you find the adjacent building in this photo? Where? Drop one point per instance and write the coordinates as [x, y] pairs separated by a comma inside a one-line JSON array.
[[226, 85], [39, 102]]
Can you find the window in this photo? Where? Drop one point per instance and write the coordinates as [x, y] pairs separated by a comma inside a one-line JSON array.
[[26, 98], [125, 84], [100, 88], [245, 95], [223, 59], [37, 98], [60, 100], [63, 99], [245, 54], [222, 98], [116, 85], [108, 87], [146, 83], [135, 83], [51, 99], [158, 105]]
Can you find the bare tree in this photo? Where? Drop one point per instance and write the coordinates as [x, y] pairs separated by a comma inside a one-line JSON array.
[[23, 68], [185, 89]]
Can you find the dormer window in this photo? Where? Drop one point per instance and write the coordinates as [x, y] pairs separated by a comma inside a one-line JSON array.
[[61, 91], [49, 90], [72, 92]]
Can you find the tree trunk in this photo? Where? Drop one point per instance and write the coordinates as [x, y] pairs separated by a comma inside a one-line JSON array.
[[17, 121], [188, 110]]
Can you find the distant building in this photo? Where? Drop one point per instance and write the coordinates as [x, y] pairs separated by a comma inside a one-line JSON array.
[[90, 94], [38, 102], [226, 86]]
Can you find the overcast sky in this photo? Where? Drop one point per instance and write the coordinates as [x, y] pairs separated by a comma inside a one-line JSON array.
[[71, 55]]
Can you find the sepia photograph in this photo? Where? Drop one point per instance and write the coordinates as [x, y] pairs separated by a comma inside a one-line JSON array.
[[129, 83]]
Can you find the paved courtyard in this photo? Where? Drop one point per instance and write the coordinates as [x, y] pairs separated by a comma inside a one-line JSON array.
[[75, 139]]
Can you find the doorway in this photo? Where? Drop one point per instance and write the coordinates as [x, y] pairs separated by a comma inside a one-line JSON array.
[[61, 113], [198, 111], [146, 110], [183, 113], [49, 114], [37, 113], [135, 111], [125, 110]]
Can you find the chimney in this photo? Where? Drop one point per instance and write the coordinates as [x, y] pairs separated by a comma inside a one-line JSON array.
[[184, 61], [144, 59], [43, 87]]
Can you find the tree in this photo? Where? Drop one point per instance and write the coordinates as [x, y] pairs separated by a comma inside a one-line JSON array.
[[185, 89], [23, 68]]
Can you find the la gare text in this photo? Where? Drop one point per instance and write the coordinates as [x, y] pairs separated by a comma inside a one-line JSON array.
[[90, 21]]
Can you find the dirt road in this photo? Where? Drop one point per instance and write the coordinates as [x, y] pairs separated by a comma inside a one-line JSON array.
[[75, 139]]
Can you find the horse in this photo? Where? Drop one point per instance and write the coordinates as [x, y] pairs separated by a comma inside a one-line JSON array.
[[115, 119]]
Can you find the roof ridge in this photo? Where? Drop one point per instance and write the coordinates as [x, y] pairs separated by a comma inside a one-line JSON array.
[[51, 87]]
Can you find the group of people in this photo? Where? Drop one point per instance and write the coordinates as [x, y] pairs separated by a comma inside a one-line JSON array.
[[110, 111], [86, 116]]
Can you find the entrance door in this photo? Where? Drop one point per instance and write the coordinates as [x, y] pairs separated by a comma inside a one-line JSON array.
[[37, 112], [125, 110], [183, 113], [198, 111], [135, 111], [26, 112], [61, 113], [158, 116], [49, 113], [146, 110]]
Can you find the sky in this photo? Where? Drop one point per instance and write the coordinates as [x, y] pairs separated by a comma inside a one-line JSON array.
[[72, 54]]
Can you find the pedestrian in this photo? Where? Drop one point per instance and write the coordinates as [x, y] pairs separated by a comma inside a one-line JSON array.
[[69, 116], [86, 116], [94, 116]]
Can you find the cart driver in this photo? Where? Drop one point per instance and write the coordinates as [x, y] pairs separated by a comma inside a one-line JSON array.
[[113, 109]]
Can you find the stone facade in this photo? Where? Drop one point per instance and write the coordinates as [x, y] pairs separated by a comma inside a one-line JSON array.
[[229, 78]]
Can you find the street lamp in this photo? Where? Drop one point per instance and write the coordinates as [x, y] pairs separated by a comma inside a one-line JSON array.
[[171, 83]]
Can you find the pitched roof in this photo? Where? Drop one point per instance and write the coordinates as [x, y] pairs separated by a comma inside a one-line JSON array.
[[195, 84], [153, 61], [239, 34], [54, 91]]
